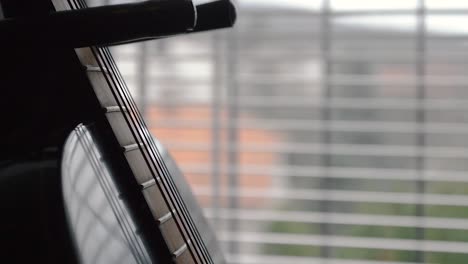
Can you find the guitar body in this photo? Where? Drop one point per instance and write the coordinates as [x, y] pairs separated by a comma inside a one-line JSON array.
[[81, 179]]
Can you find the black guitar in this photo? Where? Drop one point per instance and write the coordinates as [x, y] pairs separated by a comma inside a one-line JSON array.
[[81, 178]]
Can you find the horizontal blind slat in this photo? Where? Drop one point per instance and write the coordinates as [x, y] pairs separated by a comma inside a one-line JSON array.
[[341, 218], [344, 195], [346, 241]]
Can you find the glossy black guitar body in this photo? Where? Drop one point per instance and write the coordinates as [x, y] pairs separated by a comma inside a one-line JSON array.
[[81, 179]]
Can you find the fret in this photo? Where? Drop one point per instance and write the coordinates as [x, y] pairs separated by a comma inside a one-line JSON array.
[[96, 68], [166, 217], [171, 234], [122, 131], [189, 238], [140, 169], [149, 183], [132, 147], [155, 201], [184, 258], [113, 109], [101, 88], [181, 250], [162, 214], [185, 231]]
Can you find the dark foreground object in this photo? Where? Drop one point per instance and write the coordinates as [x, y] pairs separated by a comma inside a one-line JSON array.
[[116, 24], [81, 179]]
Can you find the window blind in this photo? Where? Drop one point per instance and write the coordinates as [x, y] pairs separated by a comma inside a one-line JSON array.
[[329, 131]]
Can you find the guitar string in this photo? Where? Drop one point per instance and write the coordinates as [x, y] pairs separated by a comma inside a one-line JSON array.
[[119, 104], [155, 149], [148, 160], [108, 186], [147, 137], [195, 233], [109, 194], [85, 145], [137, 115], [97, 54], [88, 188], [114, 201], [156, 153], [74, 4]]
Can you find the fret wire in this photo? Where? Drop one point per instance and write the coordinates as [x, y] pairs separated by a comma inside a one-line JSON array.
[[161, 166], [81, 4]]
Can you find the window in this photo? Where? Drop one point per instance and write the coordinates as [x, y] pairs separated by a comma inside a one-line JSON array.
[[320, 130]]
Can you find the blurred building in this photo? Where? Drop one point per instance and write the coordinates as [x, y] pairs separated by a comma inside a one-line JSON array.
[[192, 145]]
